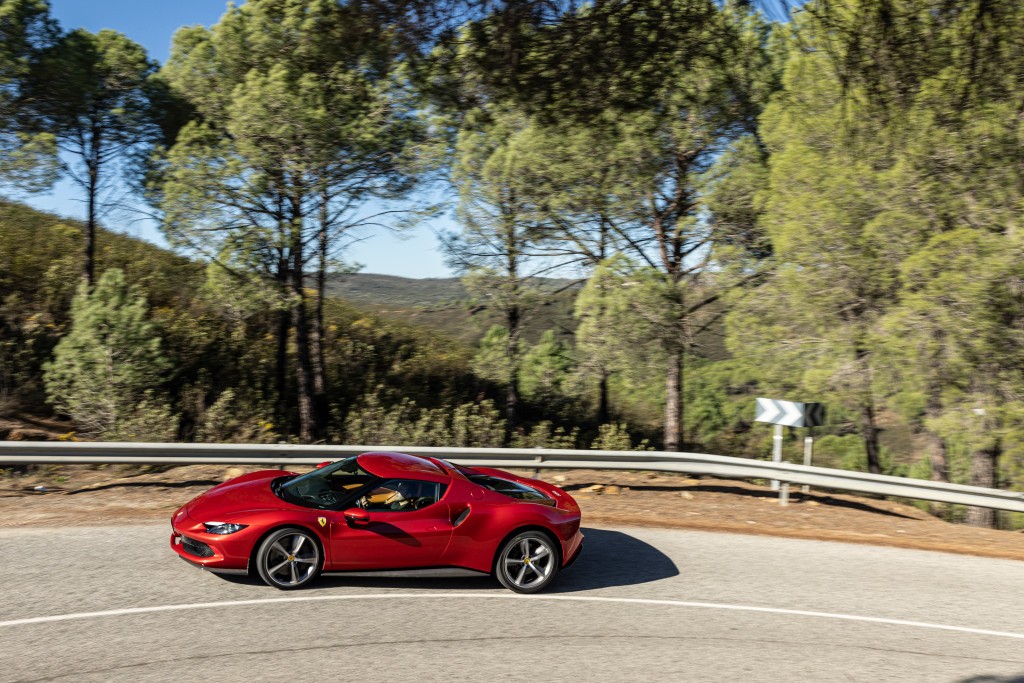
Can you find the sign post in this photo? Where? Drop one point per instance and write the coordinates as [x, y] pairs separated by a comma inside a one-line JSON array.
[[788, 414]]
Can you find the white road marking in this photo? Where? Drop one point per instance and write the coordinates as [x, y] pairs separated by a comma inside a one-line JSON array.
[[498, 596]]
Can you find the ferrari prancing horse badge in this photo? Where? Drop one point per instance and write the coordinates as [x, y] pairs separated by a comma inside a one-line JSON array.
[[322, 520]]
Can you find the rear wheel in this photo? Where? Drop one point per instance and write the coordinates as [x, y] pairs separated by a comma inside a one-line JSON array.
[[288, 559], [527, 562]]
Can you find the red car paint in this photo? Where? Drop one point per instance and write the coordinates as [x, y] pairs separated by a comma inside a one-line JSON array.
[[427, 537]]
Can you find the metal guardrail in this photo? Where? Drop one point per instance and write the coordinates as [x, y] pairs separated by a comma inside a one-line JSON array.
[[30, 452]]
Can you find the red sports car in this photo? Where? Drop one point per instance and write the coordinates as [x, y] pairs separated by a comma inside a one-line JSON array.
[[381, 511]]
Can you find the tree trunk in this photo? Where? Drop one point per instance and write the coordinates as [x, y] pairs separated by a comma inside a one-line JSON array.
[[281, 364], [937, 456], [673, 400], [936, 452], [869, 432], [935, 447], [317, 341], [309, 430], [512, 354], [603, 411], [984, 466], [92, 190], [281, 352]]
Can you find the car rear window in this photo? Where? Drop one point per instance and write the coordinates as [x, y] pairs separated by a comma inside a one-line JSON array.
[[512, 489]]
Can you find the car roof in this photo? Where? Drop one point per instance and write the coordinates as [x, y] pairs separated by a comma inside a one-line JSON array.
[[391, 465]]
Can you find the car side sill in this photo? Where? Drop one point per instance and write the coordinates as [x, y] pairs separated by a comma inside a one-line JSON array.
[[430, 572]]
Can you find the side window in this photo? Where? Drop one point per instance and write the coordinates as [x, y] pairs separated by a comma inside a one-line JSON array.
[[402, 495]]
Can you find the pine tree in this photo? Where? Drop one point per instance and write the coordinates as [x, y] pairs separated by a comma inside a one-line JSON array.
[[91, 93], [107, 370], [547, 369], [833, 198], [28, 158], [299, 123], [500, 242]]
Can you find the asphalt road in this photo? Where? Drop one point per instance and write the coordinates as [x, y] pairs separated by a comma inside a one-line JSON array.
[[115, 604]]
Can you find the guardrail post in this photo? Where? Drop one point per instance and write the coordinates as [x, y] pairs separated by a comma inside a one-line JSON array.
[[808, 449], [784, 494], [776, 452]]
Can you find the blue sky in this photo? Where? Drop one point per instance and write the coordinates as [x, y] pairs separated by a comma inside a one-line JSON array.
[[152, 23]]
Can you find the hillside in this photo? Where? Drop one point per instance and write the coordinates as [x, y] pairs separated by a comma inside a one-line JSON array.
[[38, 259], [401, 292], [209, 347], [40, 269], [443, 304], [39, 255]]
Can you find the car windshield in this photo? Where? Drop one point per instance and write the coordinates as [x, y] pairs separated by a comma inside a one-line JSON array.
[[325, 487]]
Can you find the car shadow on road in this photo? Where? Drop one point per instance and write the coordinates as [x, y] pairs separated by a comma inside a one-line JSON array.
[[993, 679], [609, 558], [614, 558]]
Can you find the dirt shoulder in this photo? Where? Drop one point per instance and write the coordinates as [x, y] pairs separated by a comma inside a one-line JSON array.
[[110, 495]]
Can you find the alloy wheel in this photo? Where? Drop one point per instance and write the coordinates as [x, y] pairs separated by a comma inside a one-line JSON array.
[[289, 558], [527, 563]]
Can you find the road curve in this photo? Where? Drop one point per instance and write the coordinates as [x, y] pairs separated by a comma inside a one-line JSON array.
[[114, 604]]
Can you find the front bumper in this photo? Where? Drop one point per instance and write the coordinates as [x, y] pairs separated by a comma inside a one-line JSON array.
[[225, 554]]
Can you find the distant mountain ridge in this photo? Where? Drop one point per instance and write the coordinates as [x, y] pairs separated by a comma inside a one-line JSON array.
[[444, 303], [395, 290]]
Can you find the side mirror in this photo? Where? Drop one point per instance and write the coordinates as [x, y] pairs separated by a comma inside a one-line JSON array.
[[357, 516], [325, 463]]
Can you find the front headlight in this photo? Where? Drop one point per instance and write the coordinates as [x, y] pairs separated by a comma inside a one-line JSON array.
[[222, 528]]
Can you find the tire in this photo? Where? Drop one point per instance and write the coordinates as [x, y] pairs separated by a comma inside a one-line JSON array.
[[527, 562], [289, 559]]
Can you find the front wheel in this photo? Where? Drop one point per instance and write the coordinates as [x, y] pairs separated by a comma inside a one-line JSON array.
[[288, 559], [527, 562]]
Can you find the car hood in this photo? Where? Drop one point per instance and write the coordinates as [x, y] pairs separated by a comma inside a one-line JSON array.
[[248, 493]]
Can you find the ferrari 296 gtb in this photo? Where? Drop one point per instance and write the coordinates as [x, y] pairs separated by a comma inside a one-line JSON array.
[[381, 511]]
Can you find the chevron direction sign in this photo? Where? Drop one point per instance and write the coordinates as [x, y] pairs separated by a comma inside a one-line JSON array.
[[790, 414]]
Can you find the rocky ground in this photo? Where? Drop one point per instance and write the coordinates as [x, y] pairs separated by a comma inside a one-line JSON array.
[[24, 427], [115, 494]]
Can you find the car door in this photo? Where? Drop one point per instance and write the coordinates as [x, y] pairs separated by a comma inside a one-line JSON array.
[[403, 524]]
